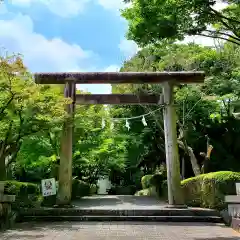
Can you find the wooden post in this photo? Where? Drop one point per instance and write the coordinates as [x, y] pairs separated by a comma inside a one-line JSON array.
[[65, 168], [175, 197]]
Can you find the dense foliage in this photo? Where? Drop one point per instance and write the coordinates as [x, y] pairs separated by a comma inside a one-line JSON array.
[[203, 110], [151, 21]]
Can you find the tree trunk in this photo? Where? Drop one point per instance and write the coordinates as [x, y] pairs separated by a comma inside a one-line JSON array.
[[193, 159]]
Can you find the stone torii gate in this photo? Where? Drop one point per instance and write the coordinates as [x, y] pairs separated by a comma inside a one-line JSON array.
[[167, 79]]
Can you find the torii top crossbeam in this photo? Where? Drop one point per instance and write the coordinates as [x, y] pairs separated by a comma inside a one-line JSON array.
[[119, 77]]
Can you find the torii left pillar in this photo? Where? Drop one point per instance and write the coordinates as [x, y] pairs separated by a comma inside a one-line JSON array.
[[175, 197], [65, 169]]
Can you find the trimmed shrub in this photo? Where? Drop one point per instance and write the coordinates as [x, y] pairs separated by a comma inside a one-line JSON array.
[[80, 189], [27, 194], [155, 181], [208, 190], [146, 181], [192, 191]]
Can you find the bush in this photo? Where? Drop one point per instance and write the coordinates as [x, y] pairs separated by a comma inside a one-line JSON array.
[[80, 189], [156, 181], [146, 181], [208, 190], [27, 194]]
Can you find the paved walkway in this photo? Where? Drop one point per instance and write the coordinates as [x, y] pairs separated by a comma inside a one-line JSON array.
[[119, 231], [119, 202]]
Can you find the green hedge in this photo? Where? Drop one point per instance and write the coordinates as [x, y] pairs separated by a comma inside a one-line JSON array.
[[27, 194], [208, 190]]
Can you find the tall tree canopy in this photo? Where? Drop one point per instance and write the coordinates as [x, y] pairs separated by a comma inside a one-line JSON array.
[[25, 108], [151, 21], [202, 109]]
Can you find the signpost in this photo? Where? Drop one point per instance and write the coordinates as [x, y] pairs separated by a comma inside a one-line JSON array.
[[49, 187]]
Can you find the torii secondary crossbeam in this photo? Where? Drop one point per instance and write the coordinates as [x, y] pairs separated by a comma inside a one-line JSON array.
[[167, 79]]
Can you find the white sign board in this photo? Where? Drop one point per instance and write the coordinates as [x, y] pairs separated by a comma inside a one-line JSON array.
[[238, 188], [49, 187]]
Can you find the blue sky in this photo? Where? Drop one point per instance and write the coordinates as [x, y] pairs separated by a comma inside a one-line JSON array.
[[66, 35], [69, 35]]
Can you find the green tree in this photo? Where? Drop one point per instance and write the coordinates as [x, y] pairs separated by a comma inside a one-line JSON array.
[[25, 108], [97, 151], [202, 109], [151, 21]]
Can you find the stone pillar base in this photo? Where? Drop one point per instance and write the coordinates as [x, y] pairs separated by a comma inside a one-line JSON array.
[[236, 224]]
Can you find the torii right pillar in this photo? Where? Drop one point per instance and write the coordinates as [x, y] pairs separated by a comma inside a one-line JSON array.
[[175, 196]]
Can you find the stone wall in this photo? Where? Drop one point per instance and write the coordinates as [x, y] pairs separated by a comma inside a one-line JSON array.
[[7, 215]]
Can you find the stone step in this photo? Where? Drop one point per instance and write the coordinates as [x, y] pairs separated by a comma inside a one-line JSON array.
[[212, 219], [188, 212]]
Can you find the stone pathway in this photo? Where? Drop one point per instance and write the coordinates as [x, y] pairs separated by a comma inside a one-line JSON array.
[[119, 231], [119, 202]]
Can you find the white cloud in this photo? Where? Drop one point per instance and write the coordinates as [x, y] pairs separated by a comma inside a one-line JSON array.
[[63, 8], [40, 54], [69, 8], [112, 68], [48, 55], [128, 48], [100, 88]]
